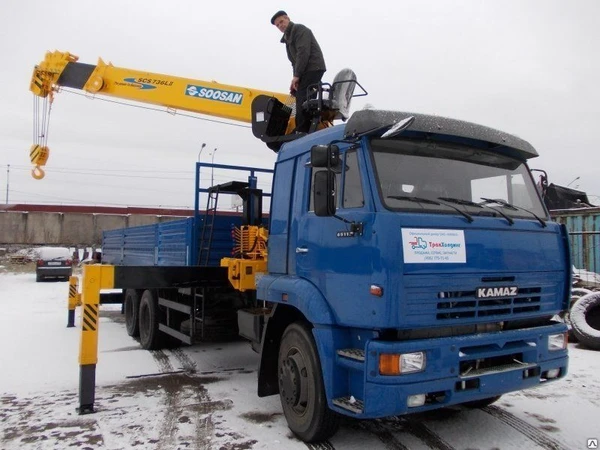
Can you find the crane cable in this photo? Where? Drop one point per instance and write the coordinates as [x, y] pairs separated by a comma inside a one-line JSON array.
[[39, 151], [168, 110]]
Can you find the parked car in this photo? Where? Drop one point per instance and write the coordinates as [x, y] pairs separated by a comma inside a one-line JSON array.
[[53, 262]]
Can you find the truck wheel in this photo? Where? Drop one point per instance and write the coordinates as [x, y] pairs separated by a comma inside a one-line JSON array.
[[585, 319], [150, 336], [301, 386], [132, 308], [475, 404]]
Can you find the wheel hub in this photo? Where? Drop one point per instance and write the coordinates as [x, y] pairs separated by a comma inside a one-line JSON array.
[[289, 380]]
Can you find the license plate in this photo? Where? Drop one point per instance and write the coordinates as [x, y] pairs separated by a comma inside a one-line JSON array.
[[54, 263]]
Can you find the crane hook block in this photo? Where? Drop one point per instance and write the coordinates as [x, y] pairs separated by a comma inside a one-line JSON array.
[[39, 156]]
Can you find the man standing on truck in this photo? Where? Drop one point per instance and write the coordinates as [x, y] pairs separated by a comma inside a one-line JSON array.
[[306, 57]]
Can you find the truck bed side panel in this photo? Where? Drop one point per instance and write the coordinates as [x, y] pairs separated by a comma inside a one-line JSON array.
[[172, 243]]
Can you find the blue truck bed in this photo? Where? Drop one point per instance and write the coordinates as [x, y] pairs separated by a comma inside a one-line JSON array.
[[172, 243]]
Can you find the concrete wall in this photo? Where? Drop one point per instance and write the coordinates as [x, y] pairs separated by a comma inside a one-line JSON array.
[[38, 228], [140, 219], [108, 222], [41, 228], [13, 228], [75, 228]]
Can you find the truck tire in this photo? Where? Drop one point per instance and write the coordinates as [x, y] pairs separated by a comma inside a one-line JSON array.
[[301, 386], [132, 309], [149, 318], [567, 320], [476, 404], [577, 293], [585, 319]]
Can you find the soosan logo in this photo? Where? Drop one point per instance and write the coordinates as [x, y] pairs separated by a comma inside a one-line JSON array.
[[219, 95]]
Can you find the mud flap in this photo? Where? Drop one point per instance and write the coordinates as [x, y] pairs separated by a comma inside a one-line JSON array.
[[267, 369]]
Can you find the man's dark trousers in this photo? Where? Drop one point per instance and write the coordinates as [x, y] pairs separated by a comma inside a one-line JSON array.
[[309, 78]]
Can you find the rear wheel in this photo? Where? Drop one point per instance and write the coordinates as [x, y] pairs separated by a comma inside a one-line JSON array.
[[301, 386], [132, 308], [149, 318]]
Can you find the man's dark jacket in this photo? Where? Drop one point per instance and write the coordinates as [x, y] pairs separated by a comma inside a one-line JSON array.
[[302, 49]]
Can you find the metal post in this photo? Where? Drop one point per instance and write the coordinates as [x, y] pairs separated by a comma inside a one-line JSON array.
[[7, 183], [212, 177], [73, 300], [95, 277], [212, 169], [200, 152], [198, 176]]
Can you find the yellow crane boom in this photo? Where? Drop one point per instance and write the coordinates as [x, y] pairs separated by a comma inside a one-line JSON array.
[[62, 69]]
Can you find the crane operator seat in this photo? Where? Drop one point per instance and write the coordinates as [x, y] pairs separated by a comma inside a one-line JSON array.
[[337, 103]]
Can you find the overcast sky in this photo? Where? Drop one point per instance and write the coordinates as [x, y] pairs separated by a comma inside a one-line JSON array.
[[530, 68]]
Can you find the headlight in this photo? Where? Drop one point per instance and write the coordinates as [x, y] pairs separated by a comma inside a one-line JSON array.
[[557, 342], [401, 363]]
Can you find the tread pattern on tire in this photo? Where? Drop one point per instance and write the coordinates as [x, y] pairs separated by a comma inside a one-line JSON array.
[[585, 333], [131, 295], [154, 339]]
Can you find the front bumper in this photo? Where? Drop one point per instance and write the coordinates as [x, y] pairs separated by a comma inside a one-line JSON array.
[[445, 380]]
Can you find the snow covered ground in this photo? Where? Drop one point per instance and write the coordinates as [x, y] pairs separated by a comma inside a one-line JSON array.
[[204, 397]]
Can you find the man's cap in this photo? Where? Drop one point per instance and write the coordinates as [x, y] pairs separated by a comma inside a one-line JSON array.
[[276, 15]]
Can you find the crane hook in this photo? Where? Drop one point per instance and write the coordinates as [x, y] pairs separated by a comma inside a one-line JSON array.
[[38, 173]]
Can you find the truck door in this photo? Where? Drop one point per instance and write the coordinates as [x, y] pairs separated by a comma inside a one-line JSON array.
[[340, 263]]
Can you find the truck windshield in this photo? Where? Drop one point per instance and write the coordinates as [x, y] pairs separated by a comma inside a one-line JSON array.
[[440, 177]]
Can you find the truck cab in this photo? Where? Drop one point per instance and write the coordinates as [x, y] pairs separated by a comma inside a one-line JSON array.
[[412, 265]]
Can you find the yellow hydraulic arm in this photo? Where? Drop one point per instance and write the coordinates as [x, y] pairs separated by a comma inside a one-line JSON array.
[[205, 97], [62, 69]]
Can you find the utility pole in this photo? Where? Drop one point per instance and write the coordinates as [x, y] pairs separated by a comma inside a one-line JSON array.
[[200, 152], [573, 182], [212, 178], [7, 181], [212, 169]]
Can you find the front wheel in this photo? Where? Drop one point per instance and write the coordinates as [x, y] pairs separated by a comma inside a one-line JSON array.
[[301, 386]]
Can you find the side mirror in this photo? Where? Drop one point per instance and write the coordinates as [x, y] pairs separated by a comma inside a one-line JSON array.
[[324, 193], [325, 156]]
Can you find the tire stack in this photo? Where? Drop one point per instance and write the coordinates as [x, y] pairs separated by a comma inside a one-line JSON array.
[[584, 318]]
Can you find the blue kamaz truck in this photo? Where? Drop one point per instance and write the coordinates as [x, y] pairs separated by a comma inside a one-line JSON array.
[[407, 263]]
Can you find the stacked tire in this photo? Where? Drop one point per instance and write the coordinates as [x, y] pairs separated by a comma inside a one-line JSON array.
[[576, 294], [585, 320]]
